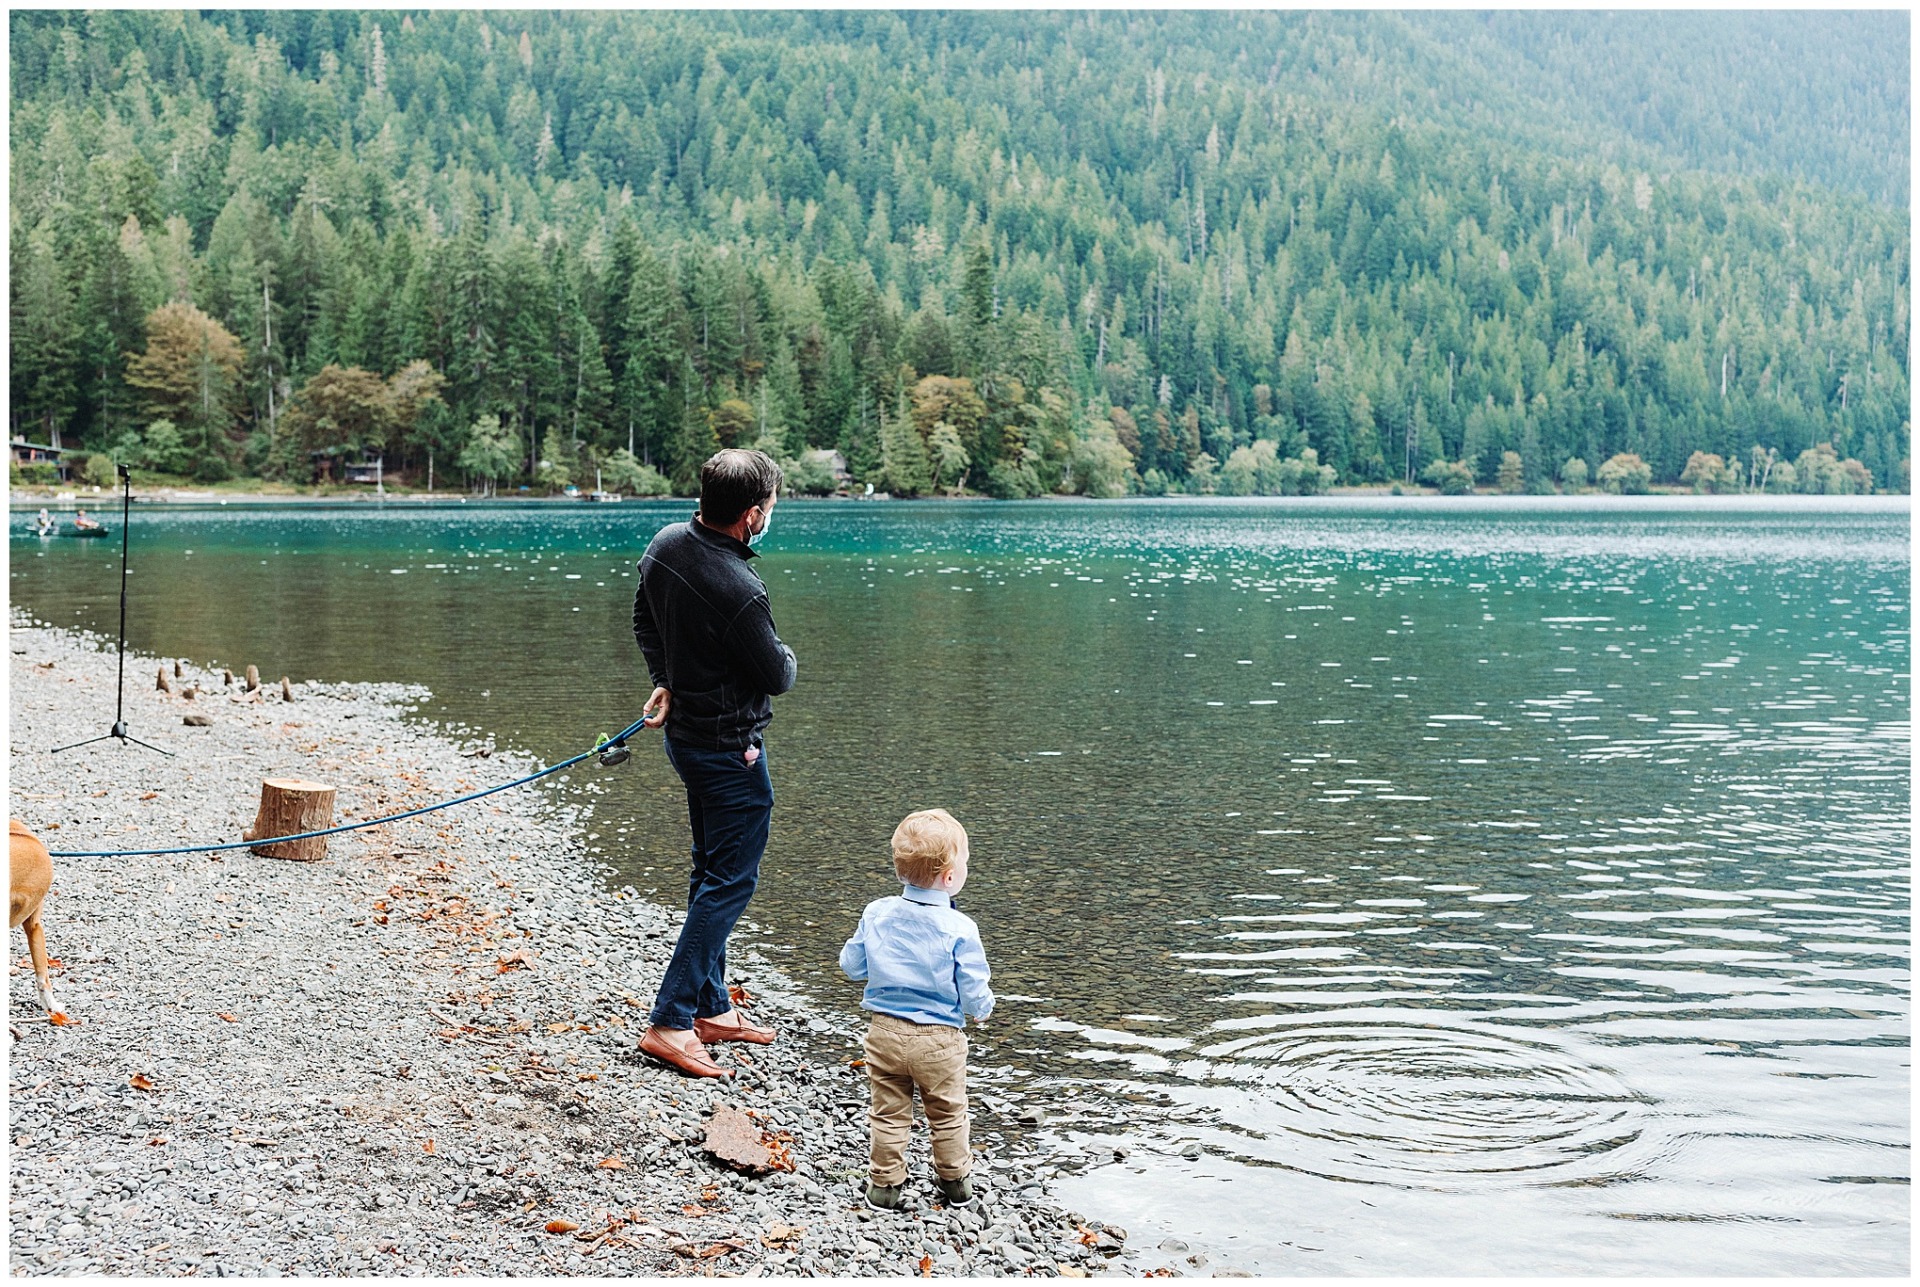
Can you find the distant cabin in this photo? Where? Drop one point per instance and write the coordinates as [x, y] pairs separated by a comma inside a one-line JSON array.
[[337, 465], [35, 453]]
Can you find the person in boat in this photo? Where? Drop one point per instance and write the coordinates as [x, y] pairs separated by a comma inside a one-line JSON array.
[[44, 523], [84, 524]]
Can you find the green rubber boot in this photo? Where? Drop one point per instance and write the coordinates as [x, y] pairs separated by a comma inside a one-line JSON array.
[[884, 1197], [956, 1192]]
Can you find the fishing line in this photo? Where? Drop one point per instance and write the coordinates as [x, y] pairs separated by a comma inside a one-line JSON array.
[[610, 750]]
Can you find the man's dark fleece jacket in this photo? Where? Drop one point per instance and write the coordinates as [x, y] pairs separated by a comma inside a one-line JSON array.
[[702, 621]]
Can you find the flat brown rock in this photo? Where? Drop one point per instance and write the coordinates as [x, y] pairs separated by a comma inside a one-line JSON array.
[[734, 1138]]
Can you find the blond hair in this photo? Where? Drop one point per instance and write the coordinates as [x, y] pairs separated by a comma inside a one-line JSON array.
[[925, 845]]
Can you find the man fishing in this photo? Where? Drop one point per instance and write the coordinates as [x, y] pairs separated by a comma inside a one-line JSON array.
[[703, 623]]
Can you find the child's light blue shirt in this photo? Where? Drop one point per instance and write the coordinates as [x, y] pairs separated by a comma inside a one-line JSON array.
[[921, 958]]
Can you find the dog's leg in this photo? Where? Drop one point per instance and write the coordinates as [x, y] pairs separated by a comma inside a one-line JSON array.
[[37, 948]]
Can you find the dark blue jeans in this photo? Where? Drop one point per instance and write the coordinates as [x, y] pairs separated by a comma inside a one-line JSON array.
[[729, 806]]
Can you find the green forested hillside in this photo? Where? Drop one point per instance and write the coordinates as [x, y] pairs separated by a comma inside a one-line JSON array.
[[1821, 96], [1025, 252]]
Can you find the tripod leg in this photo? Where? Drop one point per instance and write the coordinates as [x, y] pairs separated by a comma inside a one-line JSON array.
[[149, 745], [74, 746]]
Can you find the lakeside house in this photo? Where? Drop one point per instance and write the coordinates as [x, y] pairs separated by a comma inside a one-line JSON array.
[[35, 453], [332, 464]]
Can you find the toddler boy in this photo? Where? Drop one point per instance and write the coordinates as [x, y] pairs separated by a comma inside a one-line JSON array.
[[925, 970]]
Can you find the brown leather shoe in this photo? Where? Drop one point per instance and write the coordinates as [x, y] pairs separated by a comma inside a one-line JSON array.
[[694, 1062], [741, 1029]]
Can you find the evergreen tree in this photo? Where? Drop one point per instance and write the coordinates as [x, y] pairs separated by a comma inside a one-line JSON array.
[[903, 454], [976, 304], [43, 387], [651, 392]]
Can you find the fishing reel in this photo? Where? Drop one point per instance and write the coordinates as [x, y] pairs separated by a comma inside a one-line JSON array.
[[614, 750]]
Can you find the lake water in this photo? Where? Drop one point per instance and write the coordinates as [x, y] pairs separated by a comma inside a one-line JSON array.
[[1366, 872]]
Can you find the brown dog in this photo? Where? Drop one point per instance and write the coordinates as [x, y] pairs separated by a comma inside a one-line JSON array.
[[32, 872]]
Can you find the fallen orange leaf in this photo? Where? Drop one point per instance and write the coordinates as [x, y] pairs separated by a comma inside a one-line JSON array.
[[612, 1164], [149, 795], [561, 1226], [926, 1266], [427, 1147], [229, 1018], [140, 1081], [59, 1020]]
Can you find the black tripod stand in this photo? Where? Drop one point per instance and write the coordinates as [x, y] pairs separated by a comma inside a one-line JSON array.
[[119, 728]]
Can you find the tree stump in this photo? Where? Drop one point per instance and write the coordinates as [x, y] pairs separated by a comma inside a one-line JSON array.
[[286, 689], [161, 682], [289, 806], [253, 678]]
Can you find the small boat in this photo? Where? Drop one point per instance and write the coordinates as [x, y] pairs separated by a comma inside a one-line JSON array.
[[599, 492], [84, 526]]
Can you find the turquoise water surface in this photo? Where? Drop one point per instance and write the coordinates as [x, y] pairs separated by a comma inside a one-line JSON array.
[[1534, 868]]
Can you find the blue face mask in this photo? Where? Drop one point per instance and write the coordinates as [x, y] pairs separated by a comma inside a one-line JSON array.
[[753, 538]]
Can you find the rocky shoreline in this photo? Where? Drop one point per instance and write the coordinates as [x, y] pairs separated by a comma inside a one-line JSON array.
[[415, 1056]]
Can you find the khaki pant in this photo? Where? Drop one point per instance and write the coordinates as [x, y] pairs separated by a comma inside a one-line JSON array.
[[933, 1057]]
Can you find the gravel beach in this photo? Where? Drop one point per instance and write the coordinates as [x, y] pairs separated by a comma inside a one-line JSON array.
[[415, 1056]]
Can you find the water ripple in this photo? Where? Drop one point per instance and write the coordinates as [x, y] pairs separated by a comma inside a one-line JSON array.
[[1435, 1105]]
